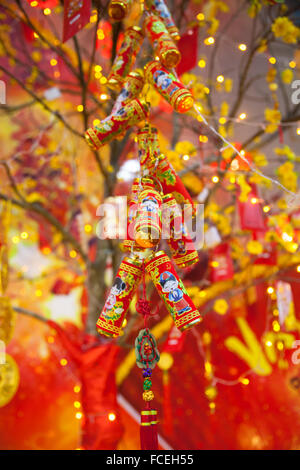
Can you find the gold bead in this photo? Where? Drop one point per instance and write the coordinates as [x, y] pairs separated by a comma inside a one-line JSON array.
[[148, 395]]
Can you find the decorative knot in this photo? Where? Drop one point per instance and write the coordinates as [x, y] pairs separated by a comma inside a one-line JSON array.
[[143, 307]]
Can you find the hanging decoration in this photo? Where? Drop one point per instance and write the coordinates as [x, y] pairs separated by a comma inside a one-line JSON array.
[[161, 41], [125, 57], [76, 15], [115, 124], [160, 9], [147, 356], [118, 9], [169, 86]]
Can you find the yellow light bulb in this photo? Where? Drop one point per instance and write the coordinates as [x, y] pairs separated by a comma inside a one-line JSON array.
[[292, 64], [215, 179], [243, 116], [298, 268], [272, 60], [220, 78], [266, 208], [80, 108], [111, 417], [270, 290], [47, 11]]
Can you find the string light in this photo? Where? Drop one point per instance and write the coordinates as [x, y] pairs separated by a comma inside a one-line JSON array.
[[286, 237], [270, 290], [272, 60], [77, 404], [111, 417], [77, 388], [38, 293], [254, 200], [266, 208], [24, 235], [88, 227], [220, 78], [78, 415], [63, 362], [15, 239], [80, 108], [222, 120], [215, 179], [201, 63], [242, 47], [53, 62], [186, 157], [209, 41], [292, 64], [73, 254], [242, 116], [200, 17], [245, 381], [298, 268], [103, 97], [47, 11], [34, 4], [298, 131]]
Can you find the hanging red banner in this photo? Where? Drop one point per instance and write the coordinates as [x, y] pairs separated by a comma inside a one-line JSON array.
[[221, 263], [188, 47], [251, 213], [76, 15]]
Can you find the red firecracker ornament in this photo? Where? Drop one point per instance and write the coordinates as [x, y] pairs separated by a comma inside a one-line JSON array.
[[118, 9], [118, 301], [148, 221], [116, 124], [161, 41], [169, 86], [126, 56], [172, 291], [132, 87], [160, 9], [181, 245]]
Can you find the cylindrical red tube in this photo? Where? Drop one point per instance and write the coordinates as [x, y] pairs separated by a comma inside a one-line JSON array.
[[129, 244], [148, 146], [118, 301], [118, 9], [132, 87], [181, 245], [172, 291], [161, 41], [169, 86], [171, 183], [160, 9], [115, 124], [148, 217], [125, 57]]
